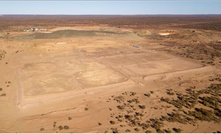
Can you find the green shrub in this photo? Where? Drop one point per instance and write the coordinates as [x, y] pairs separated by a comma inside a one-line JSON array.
[[114, 130], [137, 129], [54, 124], [151, 92], [142, 106], [127, 130], [148, 131], [112, 122], [148, 95], [60, 128], [66, 127], [3, 94], [177, 130], [121, 107], [42, 129]]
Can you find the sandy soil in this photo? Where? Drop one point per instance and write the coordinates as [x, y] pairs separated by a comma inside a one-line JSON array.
[[60, 82]]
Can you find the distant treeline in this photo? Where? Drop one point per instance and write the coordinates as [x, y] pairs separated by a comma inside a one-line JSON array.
[[208, 22]]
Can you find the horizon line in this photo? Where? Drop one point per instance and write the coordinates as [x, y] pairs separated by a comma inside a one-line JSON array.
[[108, 14]]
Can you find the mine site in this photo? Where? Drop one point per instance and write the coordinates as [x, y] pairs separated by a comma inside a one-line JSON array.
[[110, 74]]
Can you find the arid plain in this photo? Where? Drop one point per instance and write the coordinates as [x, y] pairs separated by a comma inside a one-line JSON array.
[[110, 79]]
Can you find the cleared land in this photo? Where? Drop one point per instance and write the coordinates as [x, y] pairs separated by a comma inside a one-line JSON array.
[[110, 79]]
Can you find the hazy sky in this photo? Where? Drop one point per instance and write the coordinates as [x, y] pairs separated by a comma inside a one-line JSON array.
[[110, 7]]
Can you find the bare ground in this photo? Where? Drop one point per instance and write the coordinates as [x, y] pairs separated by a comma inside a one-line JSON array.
[[104, 80]]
